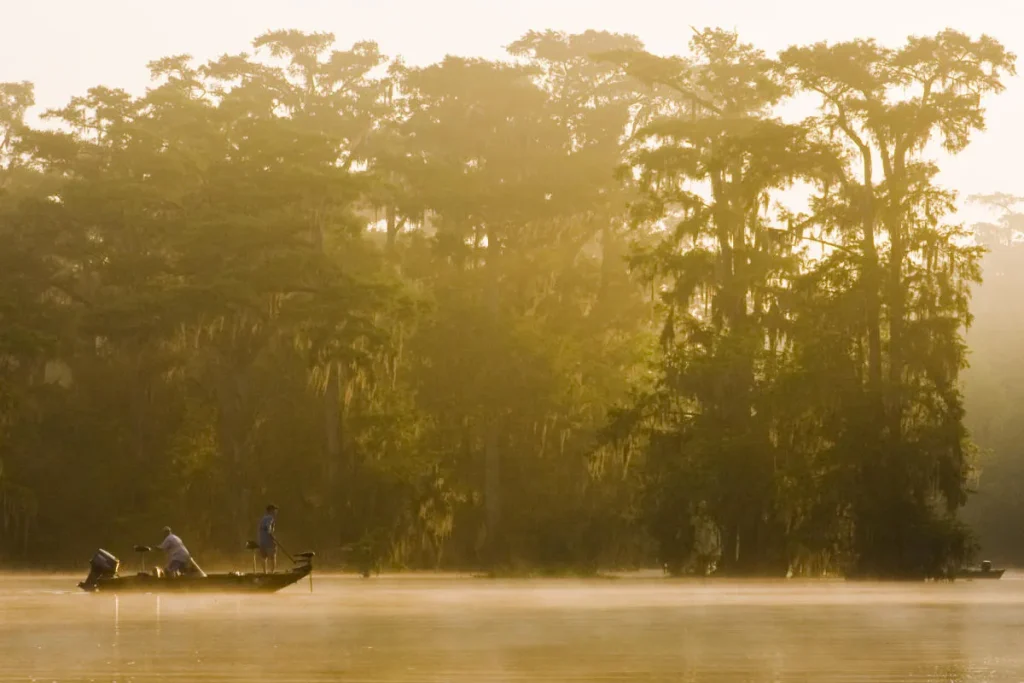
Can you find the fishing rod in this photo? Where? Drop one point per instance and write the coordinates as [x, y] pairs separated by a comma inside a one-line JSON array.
[[283, 550]]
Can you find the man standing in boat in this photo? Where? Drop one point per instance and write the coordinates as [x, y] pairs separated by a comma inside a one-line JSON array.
[[268, 544], [179, 559]]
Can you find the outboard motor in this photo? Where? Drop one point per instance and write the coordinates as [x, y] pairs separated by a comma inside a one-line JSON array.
[[103, 565]]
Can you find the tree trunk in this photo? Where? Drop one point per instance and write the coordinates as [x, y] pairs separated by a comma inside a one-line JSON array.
[[611, 256], [332, 405], [492, 491], [871, 280], [492, 453], [332, 431], [872, 478], [729, 561], [392, 230], [897, 252]]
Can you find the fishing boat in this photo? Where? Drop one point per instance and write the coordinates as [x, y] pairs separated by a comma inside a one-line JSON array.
[[104, 577], [986, 572]]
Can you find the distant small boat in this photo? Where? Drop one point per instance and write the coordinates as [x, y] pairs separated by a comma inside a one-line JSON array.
[[986, 572], [103, 578]]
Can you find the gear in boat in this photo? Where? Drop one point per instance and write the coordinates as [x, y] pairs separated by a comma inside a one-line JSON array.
[[104, 577]]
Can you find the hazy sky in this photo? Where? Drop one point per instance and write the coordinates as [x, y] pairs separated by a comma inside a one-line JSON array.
[[67, 46]]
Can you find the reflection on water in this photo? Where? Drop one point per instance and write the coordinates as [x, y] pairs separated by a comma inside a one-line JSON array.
[[473, 630]]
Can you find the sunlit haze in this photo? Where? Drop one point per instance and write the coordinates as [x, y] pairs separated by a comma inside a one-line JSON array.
[[481, 341], [68, 46]]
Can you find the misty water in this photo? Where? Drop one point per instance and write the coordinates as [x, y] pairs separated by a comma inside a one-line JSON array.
[[411, 628]]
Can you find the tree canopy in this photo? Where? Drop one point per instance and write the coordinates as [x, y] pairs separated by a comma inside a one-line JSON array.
[[557, 311]]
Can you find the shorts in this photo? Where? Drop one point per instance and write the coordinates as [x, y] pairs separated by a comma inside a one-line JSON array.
[[178, 566], [267, 553]]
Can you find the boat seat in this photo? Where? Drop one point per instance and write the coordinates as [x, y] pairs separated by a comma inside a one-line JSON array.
[[142, 548], [252, 545]]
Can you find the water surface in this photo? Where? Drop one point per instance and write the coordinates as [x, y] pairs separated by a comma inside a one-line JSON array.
[[475, 630]]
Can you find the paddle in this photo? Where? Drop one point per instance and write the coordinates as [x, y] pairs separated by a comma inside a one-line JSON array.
[[196, 565]]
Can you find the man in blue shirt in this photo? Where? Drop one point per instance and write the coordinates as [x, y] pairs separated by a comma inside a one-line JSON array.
[[268, 544]]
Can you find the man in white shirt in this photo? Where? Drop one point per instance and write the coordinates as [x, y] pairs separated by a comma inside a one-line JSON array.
[[179, 559]]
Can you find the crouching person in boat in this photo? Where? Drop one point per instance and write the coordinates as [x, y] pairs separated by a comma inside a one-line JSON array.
[[179, 560]]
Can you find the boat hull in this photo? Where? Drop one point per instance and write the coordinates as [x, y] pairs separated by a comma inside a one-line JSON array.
[[980, 574], [235, 582]]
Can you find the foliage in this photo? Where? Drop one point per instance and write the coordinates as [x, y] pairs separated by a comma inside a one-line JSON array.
[[993, 382], [555, 311]]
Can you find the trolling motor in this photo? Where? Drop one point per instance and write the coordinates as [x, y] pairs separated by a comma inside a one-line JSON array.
[[103, 565], [304, 562]]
